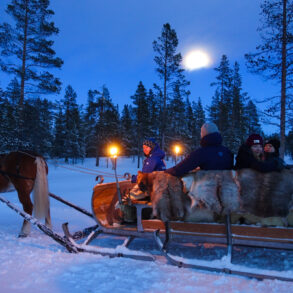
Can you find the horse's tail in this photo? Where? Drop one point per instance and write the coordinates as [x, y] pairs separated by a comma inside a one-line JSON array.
[[41, 190]]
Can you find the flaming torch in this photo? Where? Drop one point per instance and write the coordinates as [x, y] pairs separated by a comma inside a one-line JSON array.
[[177, 150], [113, 150]]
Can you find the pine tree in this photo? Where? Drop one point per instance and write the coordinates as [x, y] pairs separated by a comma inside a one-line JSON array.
[[90, 120], [176, 130], [9, 117], [289, 143], [154, 114], [74, 147], [273, 58], [108, 124], [59, 134], [252, 124], [28, 44], [223, 87], [127, 129], [199, 120], [238, 119], [45, 127], [27, 51], [141, 118], [168, 69]]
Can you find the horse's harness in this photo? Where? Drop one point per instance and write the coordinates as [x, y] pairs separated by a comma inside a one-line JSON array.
[[6, 174]]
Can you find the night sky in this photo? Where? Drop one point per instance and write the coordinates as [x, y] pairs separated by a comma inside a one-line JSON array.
[[109, 42]]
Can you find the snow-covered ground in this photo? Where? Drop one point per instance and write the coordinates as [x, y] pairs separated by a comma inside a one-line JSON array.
[[38, 264]]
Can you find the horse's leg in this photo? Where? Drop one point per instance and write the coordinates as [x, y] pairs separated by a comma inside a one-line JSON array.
[[24, 198]]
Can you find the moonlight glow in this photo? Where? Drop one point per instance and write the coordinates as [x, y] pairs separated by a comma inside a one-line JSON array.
[[196, 59]]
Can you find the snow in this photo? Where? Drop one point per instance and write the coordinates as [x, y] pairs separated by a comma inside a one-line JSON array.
[[39, 264]]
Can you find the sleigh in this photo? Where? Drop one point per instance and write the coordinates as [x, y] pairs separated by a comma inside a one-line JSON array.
[[182, 233], [130, 220]]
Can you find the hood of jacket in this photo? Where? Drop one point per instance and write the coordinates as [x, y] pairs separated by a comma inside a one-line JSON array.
[[157, 152], [212, 139]]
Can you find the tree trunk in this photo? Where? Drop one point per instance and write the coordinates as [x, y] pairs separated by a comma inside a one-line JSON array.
[[22, 83], [283, 81], [164, 101]]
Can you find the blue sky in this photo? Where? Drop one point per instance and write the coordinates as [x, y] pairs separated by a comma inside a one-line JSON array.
[[109, 42]]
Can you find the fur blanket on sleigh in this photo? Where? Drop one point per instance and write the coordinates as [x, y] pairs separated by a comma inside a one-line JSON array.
[[206, 195]]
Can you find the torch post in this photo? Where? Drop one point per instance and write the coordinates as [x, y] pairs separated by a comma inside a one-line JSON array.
[[113, 152]]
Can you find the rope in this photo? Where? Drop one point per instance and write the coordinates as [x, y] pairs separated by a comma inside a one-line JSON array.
[[25, 153], [90, 173], [94, 172]]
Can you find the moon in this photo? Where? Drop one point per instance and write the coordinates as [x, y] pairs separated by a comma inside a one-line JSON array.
[[196, 59]]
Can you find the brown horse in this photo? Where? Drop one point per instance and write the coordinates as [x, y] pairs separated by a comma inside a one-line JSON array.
[[27, 172]]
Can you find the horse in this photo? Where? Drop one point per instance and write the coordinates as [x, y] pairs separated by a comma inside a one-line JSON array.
[[26, 171]]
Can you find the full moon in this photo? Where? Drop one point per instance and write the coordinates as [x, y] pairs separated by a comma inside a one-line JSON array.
[[196, 59]]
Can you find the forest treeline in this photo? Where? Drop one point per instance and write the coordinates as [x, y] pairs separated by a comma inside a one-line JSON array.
[[167, 111]]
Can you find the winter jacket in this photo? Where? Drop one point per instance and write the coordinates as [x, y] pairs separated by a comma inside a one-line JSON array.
[[245, 159], [153, 162], [212, 155], [275, 157]]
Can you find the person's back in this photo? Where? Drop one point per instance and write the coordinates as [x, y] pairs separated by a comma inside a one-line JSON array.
[[212, 155]]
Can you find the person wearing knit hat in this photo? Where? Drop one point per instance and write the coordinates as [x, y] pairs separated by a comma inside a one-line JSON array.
[[271, 152], [251, 155], [150, 142], [272, 146], [255, 142], [211, 155], [208, 128], [254, 139], [154, 161]]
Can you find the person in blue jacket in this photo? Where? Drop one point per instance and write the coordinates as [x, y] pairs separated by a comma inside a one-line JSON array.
[[211, 155], [154, 160]]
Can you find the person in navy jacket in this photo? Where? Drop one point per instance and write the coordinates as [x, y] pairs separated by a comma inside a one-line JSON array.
[[211, 155], [154, 160]]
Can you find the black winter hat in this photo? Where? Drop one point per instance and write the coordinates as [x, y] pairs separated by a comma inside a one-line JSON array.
[[275, 143]]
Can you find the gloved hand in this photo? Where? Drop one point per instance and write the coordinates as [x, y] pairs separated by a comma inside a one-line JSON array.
[[133, 178]]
